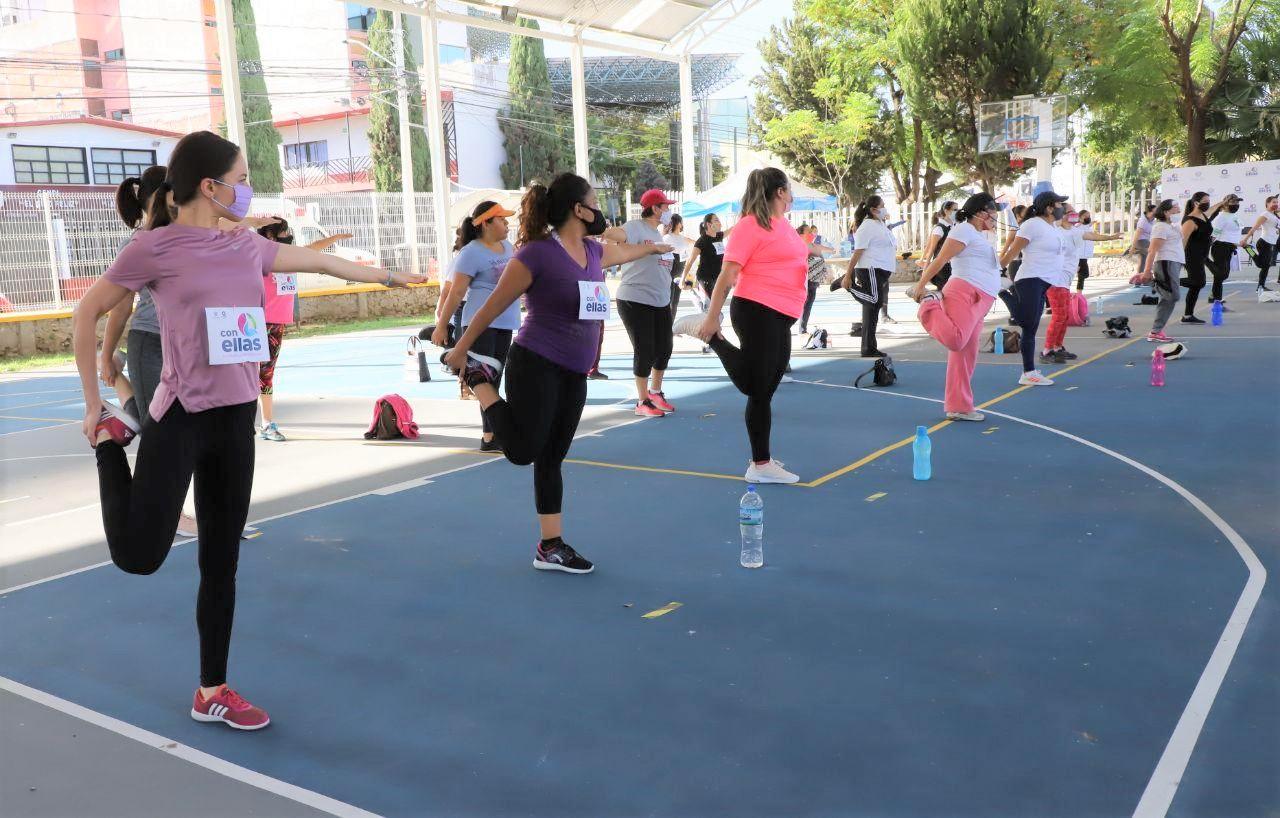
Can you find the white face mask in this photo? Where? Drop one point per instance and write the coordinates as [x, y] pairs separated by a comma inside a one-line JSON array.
[[881, 213], [950, 218], [665, 218]]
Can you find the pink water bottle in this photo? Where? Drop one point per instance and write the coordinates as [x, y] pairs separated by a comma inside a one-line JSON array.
[[1157, 368]]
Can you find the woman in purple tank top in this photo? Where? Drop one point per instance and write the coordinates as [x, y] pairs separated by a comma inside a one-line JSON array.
[[560, 271]]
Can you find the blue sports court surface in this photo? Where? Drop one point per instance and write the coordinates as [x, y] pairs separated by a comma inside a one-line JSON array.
[[1070, 619]]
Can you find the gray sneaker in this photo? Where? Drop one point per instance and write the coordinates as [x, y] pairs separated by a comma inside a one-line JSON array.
[[272, 432]]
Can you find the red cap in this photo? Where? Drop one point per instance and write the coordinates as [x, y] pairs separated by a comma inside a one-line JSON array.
[[653, 198]]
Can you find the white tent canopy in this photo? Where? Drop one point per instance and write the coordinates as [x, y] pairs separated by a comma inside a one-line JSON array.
[[726, 197]]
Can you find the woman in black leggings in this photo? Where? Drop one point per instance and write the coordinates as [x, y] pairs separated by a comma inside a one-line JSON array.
[[1197, 232], [560, 271], [207, 286], [765, 263]]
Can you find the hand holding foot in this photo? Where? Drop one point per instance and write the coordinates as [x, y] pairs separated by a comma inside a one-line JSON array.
[[710, 328]]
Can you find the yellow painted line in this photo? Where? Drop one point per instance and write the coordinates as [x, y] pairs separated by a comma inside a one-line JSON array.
[[663, 611], [736, 477], [876, 496], [906, 441], [989, 431]]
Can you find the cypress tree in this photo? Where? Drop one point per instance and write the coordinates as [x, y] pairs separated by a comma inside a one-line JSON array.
[[260, 135], [384, 115], [537, 145]]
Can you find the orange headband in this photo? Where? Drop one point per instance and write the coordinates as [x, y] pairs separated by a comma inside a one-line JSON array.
[[496, 210]]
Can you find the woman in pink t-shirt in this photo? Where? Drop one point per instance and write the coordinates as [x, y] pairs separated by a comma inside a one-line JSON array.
[[207, 286], [765, 263]]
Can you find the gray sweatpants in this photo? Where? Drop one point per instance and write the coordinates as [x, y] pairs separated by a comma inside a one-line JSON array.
[[144, 364], [1166, 286]]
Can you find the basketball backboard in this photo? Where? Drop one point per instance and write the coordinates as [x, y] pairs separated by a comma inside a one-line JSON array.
[[1024, 124]]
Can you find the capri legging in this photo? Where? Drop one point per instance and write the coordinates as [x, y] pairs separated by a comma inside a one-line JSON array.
[[267, 369], [538, 419], [649, 329], [495, 343], [756, 368]]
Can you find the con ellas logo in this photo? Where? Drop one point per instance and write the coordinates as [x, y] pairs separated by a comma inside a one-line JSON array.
[[247, 337], [599, 302]]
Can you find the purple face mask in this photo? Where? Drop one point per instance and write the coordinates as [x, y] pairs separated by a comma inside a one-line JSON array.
[[240, 206]]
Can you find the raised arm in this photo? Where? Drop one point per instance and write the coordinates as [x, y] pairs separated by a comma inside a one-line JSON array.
[[615, 235], [291, 259], [1092, 236], [615, 254], [328, 241]]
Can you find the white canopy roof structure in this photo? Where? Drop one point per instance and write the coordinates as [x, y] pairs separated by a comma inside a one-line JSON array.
[[725, 197]]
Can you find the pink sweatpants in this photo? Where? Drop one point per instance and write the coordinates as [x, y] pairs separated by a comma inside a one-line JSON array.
[[1060, 303], [956, 323]]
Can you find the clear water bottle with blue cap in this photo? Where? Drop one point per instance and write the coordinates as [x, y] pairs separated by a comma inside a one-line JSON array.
[[997, 340], [922, 448], [751, 526]]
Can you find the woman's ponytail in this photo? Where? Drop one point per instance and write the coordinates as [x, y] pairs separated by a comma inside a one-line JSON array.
[[533, 216], [160, 210], [134, 194]]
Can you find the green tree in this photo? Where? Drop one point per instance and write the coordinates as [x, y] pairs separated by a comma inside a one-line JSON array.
[[384, 112], [538, 142], [260, 135], [823, 124], [1244, 120], [956, 55], [620, 142]]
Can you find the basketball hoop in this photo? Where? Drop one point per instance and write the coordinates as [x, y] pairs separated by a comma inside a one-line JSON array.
[[1018, 145], [1015, 162]]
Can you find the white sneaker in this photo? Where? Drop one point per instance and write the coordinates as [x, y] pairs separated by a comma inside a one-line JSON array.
[[187, 527], [1034, 378], [973, 416], [771, 472], [688, 324]]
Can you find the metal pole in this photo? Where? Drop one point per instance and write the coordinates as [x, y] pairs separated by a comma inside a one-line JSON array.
[[410, 208], [350, 165], [229, 64], [578, 83], [688, 182], [440, 187], [52, 247]]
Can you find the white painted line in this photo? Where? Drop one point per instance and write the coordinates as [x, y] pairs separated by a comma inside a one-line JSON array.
[[399, 487], [51, 516], [62, 402], [201, 759], [42, 428], [1163, 784], [15, 499]]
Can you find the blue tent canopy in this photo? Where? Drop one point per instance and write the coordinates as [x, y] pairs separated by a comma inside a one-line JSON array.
[[725, 199]]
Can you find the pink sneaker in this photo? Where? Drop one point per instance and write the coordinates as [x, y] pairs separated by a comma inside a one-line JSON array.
[[227, 706], [117, 423], [660, 400], [1158, 337], [646, 409]]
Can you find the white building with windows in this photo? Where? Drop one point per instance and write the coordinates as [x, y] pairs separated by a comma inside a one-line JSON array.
[[84, 151]]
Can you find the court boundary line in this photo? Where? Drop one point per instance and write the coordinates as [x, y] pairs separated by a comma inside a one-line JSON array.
[[199, 758], [1157, 797]]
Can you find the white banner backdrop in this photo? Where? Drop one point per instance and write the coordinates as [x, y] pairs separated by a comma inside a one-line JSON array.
[[1251, 181]]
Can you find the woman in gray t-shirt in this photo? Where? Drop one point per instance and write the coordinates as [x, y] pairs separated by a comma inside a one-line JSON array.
[[644, 303]]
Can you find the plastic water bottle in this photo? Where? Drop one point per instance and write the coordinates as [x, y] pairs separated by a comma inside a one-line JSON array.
[[1157, 368], [751, 525], [923, 449], [998, 340], [1097, 305], [1216, 313]]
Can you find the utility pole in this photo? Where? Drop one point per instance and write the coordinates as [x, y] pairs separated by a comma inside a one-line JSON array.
[[406, 145]]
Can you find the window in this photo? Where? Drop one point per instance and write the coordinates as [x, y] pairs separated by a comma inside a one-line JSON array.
[[97, 107], [306, 153], [40, 165], [111, 166], [88, 48], [453, 53], [215, 91], [123, 115], [114, 54], [92, 74], [359, 16]]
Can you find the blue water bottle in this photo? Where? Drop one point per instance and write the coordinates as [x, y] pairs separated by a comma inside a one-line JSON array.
[[923, 449], [998, 340], [1216, 313]]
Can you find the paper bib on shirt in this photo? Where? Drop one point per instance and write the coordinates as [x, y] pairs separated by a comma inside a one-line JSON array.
[[593, 301], [286, 283], [237, 335], [718, 246]]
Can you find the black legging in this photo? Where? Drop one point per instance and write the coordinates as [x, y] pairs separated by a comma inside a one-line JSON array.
[[756, 368], [1220, 255], [872, 289], [811, 294], [1266, 257], [1029, 305], [677, 273], [1196, 255], [1082, 272], [537, 420], [495, 343], [140, 511], [649, 329]]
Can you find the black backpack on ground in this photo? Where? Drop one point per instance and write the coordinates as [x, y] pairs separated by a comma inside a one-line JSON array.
[[1118, 327], [882, 372]]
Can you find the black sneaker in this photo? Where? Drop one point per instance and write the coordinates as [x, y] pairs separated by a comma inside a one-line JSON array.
[[1052, 357], [874, 353], [597, 375], [490, 445], [1191, 319], [561, 557], [1068, 354]]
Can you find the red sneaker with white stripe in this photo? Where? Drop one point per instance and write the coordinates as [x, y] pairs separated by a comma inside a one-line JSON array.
[[227, 706]]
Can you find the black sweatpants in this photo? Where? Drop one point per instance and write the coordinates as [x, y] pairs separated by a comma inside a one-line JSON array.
[[649, 329], [495, 343], [871, 287], [140, 510], [1266, 257], [756, 368], [1030, 306], [537, 420], [1220, 255]]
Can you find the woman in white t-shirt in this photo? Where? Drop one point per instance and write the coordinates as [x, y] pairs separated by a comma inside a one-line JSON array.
[[873, 262], [943, 221], [1042, 246], [955, 317], [1269, 243], [1059, 294], [1165, 258]]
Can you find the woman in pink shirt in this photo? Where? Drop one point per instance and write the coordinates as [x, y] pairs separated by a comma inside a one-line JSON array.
[[207, 286], [765, 263]]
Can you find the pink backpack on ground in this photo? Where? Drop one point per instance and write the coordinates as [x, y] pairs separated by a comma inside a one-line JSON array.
[[392, 418], [1078, 311]]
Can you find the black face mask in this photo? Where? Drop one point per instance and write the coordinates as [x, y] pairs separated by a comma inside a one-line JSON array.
[[1233, 208], [285, 239], [1058, 212], [1086, 221], [1202, 205], [597, 225]]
